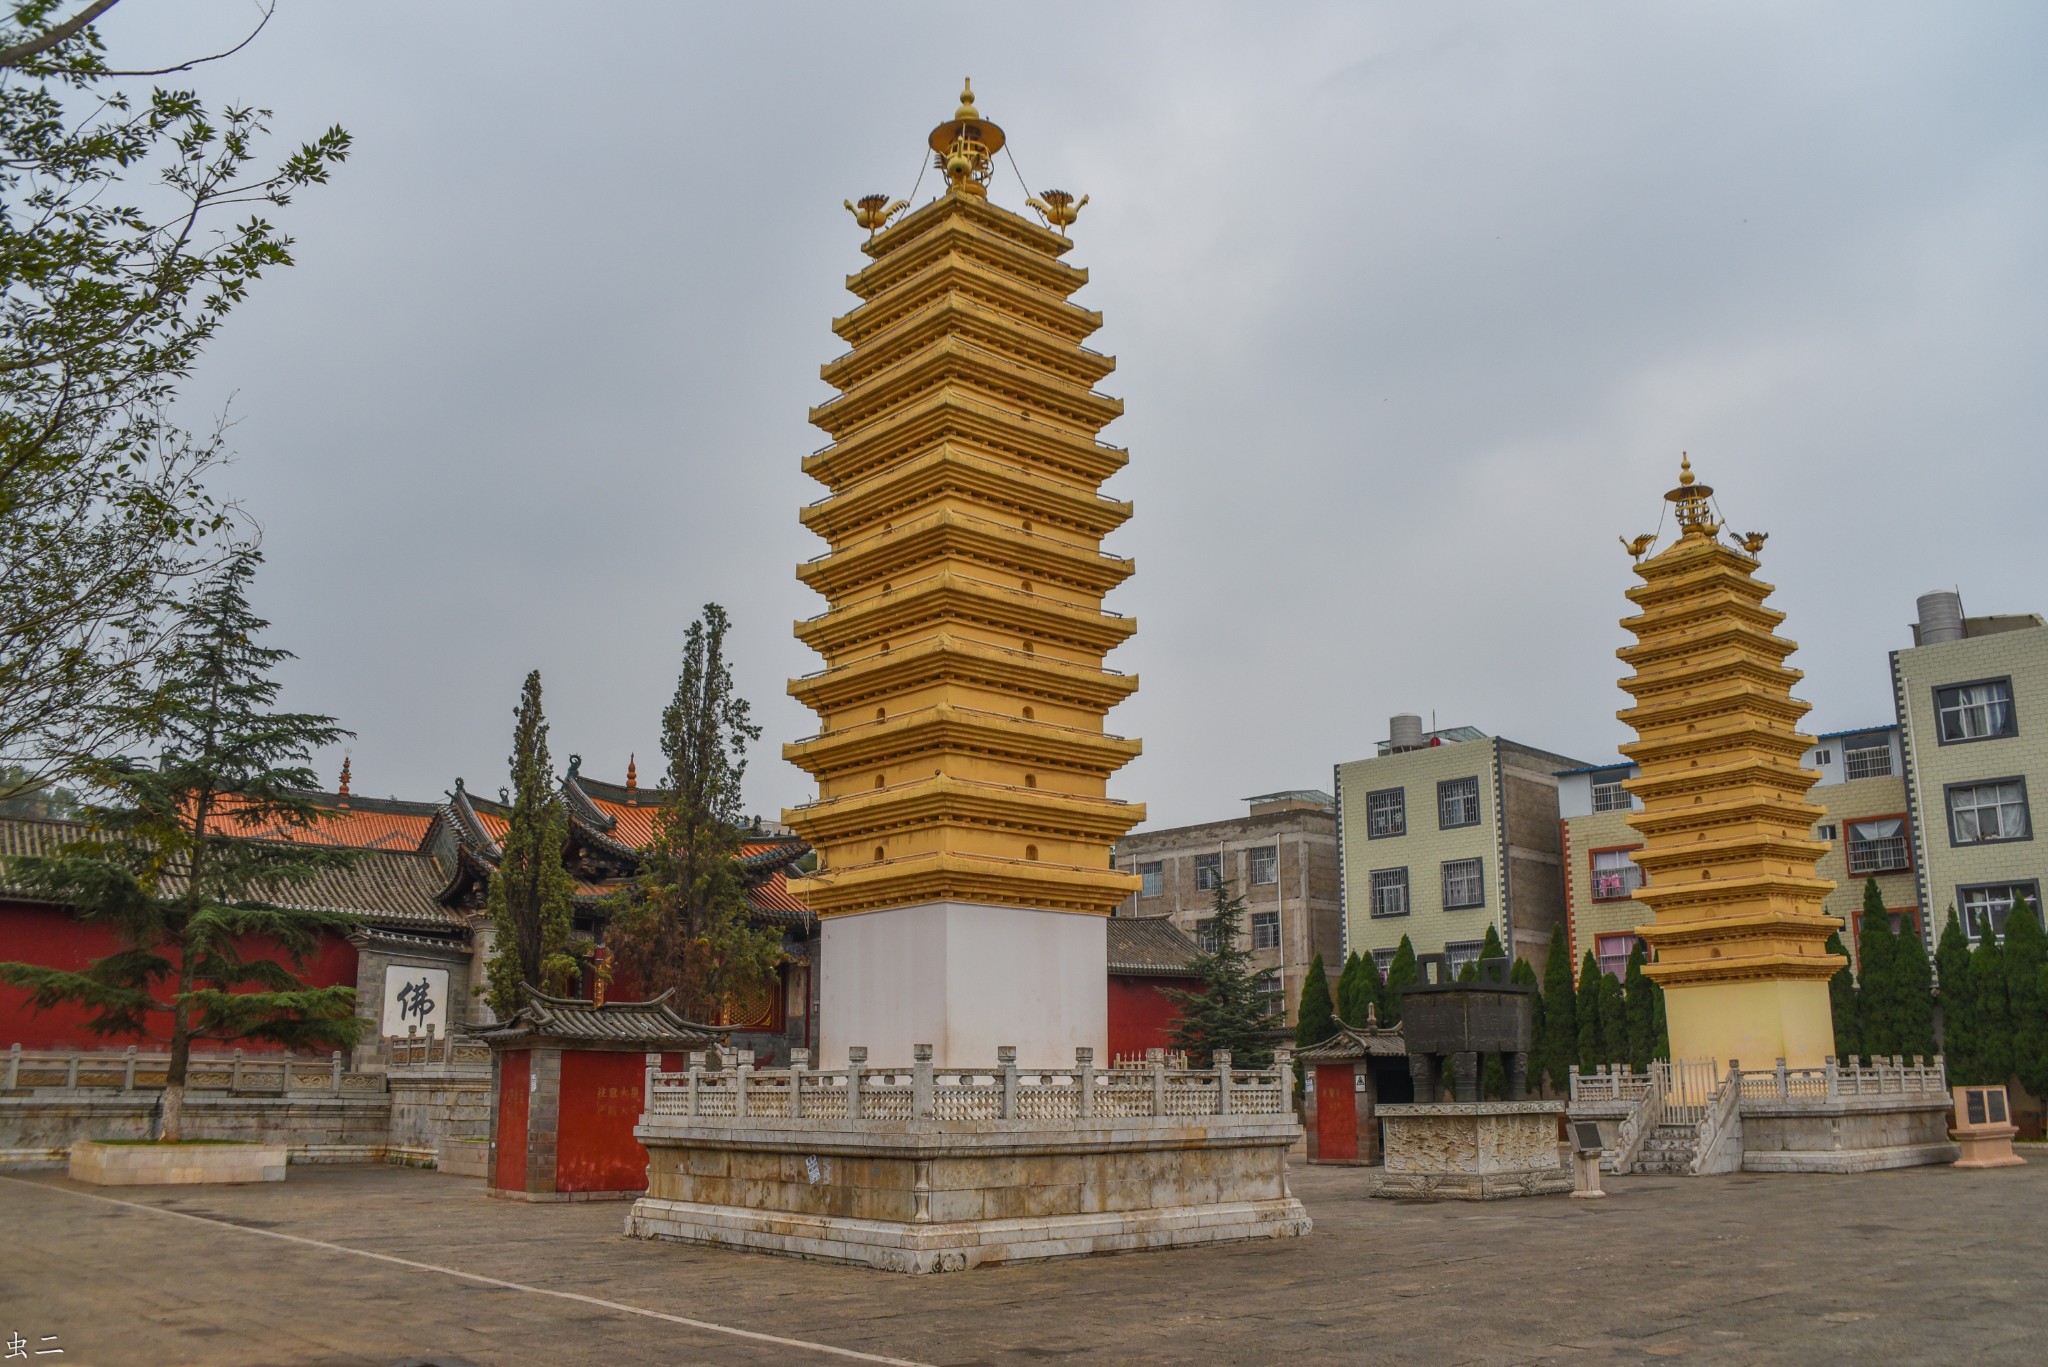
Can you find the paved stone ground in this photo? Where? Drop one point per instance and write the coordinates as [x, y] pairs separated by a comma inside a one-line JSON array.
[[1925, 1265]]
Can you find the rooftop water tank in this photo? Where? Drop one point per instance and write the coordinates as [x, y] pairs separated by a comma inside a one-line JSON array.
[[1941, 617], [1404, 731]]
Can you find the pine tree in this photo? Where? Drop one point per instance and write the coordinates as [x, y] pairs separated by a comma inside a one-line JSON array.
[[2026, 989], [1992, 1025], [1878, 985], [1315, 1017], [1642, 1010], [1357, 989], [1959, 1045], [684, 924], [1663, 1025], [1401, 975], [1525, 976], [1228, 1011], [1842, 1002], [1915, 978], [1589, 1044], [1559, 1047], [532, 898], [1491, 947], [185, 894], [1613, 1020]]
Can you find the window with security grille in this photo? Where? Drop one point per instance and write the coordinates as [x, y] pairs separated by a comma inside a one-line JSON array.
[[1975, 711], [1979, 813], [1991, 904], [1615, 875], [1265, 930], [1272, 994], [1460, 953], [1153, 879], [1609, 795], [1208, 872], [1464, 883], [1878, 846], [1265, 861], [1611, 952], [1867, 757], [1386, 813], [1383, 959], [1208, 936], [1390, 892], [1457, 803]]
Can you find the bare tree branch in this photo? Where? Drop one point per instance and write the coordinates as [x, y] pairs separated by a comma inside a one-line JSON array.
[[201, 61], [43, 42]]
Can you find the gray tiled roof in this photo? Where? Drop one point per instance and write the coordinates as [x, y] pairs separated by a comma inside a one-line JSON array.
[[1149, 945], [649, 1024], [1348, 1045]]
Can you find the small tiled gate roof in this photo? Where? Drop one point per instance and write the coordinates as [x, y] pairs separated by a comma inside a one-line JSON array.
[[647, 1025], [1349, 1045], [1150, 946]]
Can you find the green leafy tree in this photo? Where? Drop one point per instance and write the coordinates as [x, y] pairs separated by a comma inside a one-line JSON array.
[[1315, 1016], [1959, 1044], [1992, 1025], [1558, 1048], [1228, 1011], [1842, 1004], [1358, 988], [126, 238], [1879, 980], [190, 900], [685, 924], [1402, 974], [532, 898], [1587, 1049], [2026, 988], [1641, 997]]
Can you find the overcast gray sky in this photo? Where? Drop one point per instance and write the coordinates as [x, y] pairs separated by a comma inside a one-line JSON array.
[[1414, 309]]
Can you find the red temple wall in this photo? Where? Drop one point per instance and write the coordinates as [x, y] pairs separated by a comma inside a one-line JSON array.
[[55, 938], [601, 1094], [514, 1068], [1141, 1015]]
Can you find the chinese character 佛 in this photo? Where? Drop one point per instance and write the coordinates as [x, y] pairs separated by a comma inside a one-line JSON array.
[[414, 1000]]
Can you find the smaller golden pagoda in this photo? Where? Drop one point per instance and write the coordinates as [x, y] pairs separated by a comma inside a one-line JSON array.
[[1728, 855]]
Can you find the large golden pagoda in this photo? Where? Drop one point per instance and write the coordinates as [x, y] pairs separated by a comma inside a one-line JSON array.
[[960, 757], [1728, 856]]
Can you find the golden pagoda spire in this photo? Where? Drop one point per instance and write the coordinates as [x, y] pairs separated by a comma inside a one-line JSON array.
[[1694, 501], [965, 146]]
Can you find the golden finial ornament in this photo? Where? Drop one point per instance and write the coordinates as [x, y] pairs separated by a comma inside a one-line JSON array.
[[1639, 546], [874, 211], [345, 761], [1754, 541], [633, 773], [964, 147], [1693, 501], [1058, 208]]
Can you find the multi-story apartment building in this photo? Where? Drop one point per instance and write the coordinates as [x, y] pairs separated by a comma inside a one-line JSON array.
[[1598, 847], [1281, 857], [1444, 832], [1972, 699]]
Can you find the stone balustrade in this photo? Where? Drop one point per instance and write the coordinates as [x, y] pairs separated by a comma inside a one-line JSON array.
[[1836, 1080], [412, 1049], [34, 1072], [729, 1086]]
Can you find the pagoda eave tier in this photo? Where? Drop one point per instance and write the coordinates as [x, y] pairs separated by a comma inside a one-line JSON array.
[[956, 314], [1739, 775], [952, 729], [974, 227], [965, 805], [949, 534], [974, 603], [1694, 899], [951, 472], [1764, 966], [957, 274], [948, 658], [917, 879], [959, 367], [1708, 646], [1666, 753], [977, 425], [1750, 810]]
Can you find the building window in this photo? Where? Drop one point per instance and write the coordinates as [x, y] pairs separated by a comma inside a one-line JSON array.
[[1464, 884], [1208, 936], [1265, 866], [1460, 953], [1457, 803], [1991, 904], [1975, 711], [1383, 959], [1878, 846], [1979, 813], [1826, 833], [1153, 879], [1823, 758], [1615, 875], [1390, 892], [1612, 952], [1867, 757], [1273, 997], [1265, 930], [1208, 872], [1386, 813], [1608, 794]]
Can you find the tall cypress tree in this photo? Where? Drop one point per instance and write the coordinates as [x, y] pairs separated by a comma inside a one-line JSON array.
[[1589, 1044], [1525, 976], [531, 896], [1560, 1044], [1915, 977], [1315, 1018], [1358, 988], [1228, 1011], [1842, 1003], [1401, 975], [1879, 988], [1640, 993], [184, 893], [1959, 1046], [1992, 1023], [2026, 989], [1613, 1020]]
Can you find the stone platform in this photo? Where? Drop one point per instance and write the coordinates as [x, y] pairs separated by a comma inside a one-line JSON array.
[[200, 1161], [920, 1170], [1473, 1151]]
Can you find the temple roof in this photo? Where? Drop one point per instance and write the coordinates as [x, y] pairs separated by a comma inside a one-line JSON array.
[[367, 823], [1150, 946], [1349, 1045], [649, 1025]]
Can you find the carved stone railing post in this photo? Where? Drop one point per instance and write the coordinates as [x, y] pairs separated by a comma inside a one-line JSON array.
[[128, 1070], [799, 1061], [1006, 1061], [1084, 1078], [1157, 1059], [1283, 1077], [742, 1074], [696, 1072], [430, 1046], [856, 1064], [651, 1064], [1572, 1075], [234, 1073], [1222, 1058], [1779, 1071], [13, 1066], [921, 1081]]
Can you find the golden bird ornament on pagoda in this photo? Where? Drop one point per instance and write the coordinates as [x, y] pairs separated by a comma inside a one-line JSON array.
[[1058, 208], [1637, 547], [1754, 541], [874, 211]]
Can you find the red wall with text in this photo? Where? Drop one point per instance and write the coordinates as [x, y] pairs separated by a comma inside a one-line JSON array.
[[1141, 1015]]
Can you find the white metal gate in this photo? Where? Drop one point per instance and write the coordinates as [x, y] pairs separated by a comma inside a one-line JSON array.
[[1689, 1086]]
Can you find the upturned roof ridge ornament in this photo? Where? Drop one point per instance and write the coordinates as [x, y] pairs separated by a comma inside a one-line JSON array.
[[1058, 208]]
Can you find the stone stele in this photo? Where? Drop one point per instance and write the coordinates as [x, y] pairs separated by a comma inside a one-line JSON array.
[[1473, 1151]]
